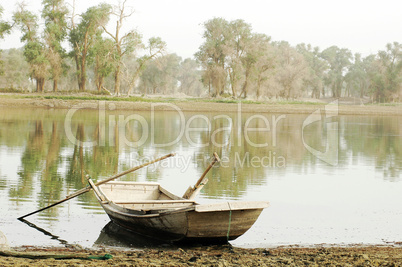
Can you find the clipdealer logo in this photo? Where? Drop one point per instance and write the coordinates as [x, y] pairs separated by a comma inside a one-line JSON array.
[[330, 155]]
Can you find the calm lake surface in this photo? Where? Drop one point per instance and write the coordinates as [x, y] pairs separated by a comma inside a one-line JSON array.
[[352, 194]]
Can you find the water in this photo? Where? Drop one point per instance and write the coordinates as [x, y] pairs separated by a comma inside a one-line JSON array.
[[350, 196]]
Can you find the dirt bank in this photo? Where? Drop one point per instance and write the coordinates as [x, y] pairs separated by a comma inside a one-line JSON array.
[[195, 105], [221, 256]]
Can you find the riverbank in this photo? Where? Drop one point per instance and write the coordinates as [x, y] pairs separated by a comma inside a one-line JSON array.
[[218, 256], [86, 101]]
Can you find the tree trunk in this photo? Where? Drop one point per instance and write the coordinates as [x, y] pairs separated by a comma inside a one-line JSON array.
[[55, 85], [258, 88], [245, 85], [77, 66], [132, 82], [37, 85], [99, 84], [42, 85], [117, 80], [288, 91], [233, 82], [82, 76]]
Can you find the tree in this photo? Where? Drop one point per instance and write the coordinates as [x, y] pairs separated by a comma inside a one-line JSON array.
[[291, 71], [5, 28], [102, 56], [231, 50], [339, 60], [356, 78], [386, 80], [124, 44], [213, 53], [239, 40], [34, 50], [316, 69], [82, 37], [16, 75], [190, 78], [258, 59], [161, 73], [266, 61], [151, 78], [155, 48], [55, 15]]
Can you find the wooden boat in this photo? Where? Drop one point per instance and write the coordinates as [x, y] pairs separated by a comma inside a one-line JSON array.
[[148, 209]]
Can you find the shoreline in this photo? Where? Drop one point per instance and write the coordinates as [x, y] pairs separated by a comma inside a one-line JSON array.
[[189, 105], [212, 256]]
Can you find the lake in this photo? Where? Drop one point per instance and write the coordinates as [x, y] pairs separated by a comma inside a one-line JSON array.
[[329, 179]]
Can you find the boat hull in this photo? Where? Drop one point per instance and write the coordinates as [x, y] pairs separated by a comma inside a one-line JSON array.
[[167, 227], [220, 226], [150, 210], [187, 225]]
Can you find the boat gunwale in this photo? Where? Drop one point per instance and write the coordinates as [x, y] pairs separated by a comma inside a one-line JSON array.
[[111, 206], [207, 207]]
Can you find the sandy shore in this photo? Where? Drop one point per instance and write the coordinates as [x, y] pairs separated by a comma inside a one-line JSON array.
[[218, 256], [197, 106]]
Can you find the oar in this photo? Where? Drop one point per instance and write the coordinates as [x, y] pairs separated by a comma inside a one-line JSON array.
[[193, 191], [88, 188]]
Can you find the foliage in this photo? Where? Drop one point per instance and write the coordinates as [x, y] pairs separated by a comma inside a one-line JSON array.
[[213, 53], [189, 77], [386, 77], [34, 50], [291, 72], [5, 28], [317, 67], [160, 75], [101, 56], [83, 36], [156, 47], [55, 15], [16, 76], [339, 60], [124, 44]]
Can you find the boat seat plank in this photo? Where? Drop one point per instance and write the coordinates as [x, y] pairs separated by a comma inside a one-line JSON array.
[[155, 202], [238, 205]]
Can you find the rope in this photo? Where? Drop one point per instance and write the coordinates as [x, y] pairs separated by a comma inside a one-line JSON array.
[[230, 220]]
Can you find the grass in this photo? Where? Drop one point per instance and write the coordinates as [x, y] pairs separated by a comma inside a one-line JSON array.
[[98, 97], [154, 100], [9, 90], [244, 101], [295, 102], [131, 99], [394, 104], [93, 97]]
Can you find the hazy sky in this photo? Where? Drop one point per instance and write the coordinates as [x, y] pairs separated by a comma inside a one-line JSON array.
[[362, 26]]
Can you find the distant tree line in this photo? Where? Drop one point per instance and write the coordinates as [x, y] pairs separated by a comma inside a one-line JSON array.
[[233, 61]]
